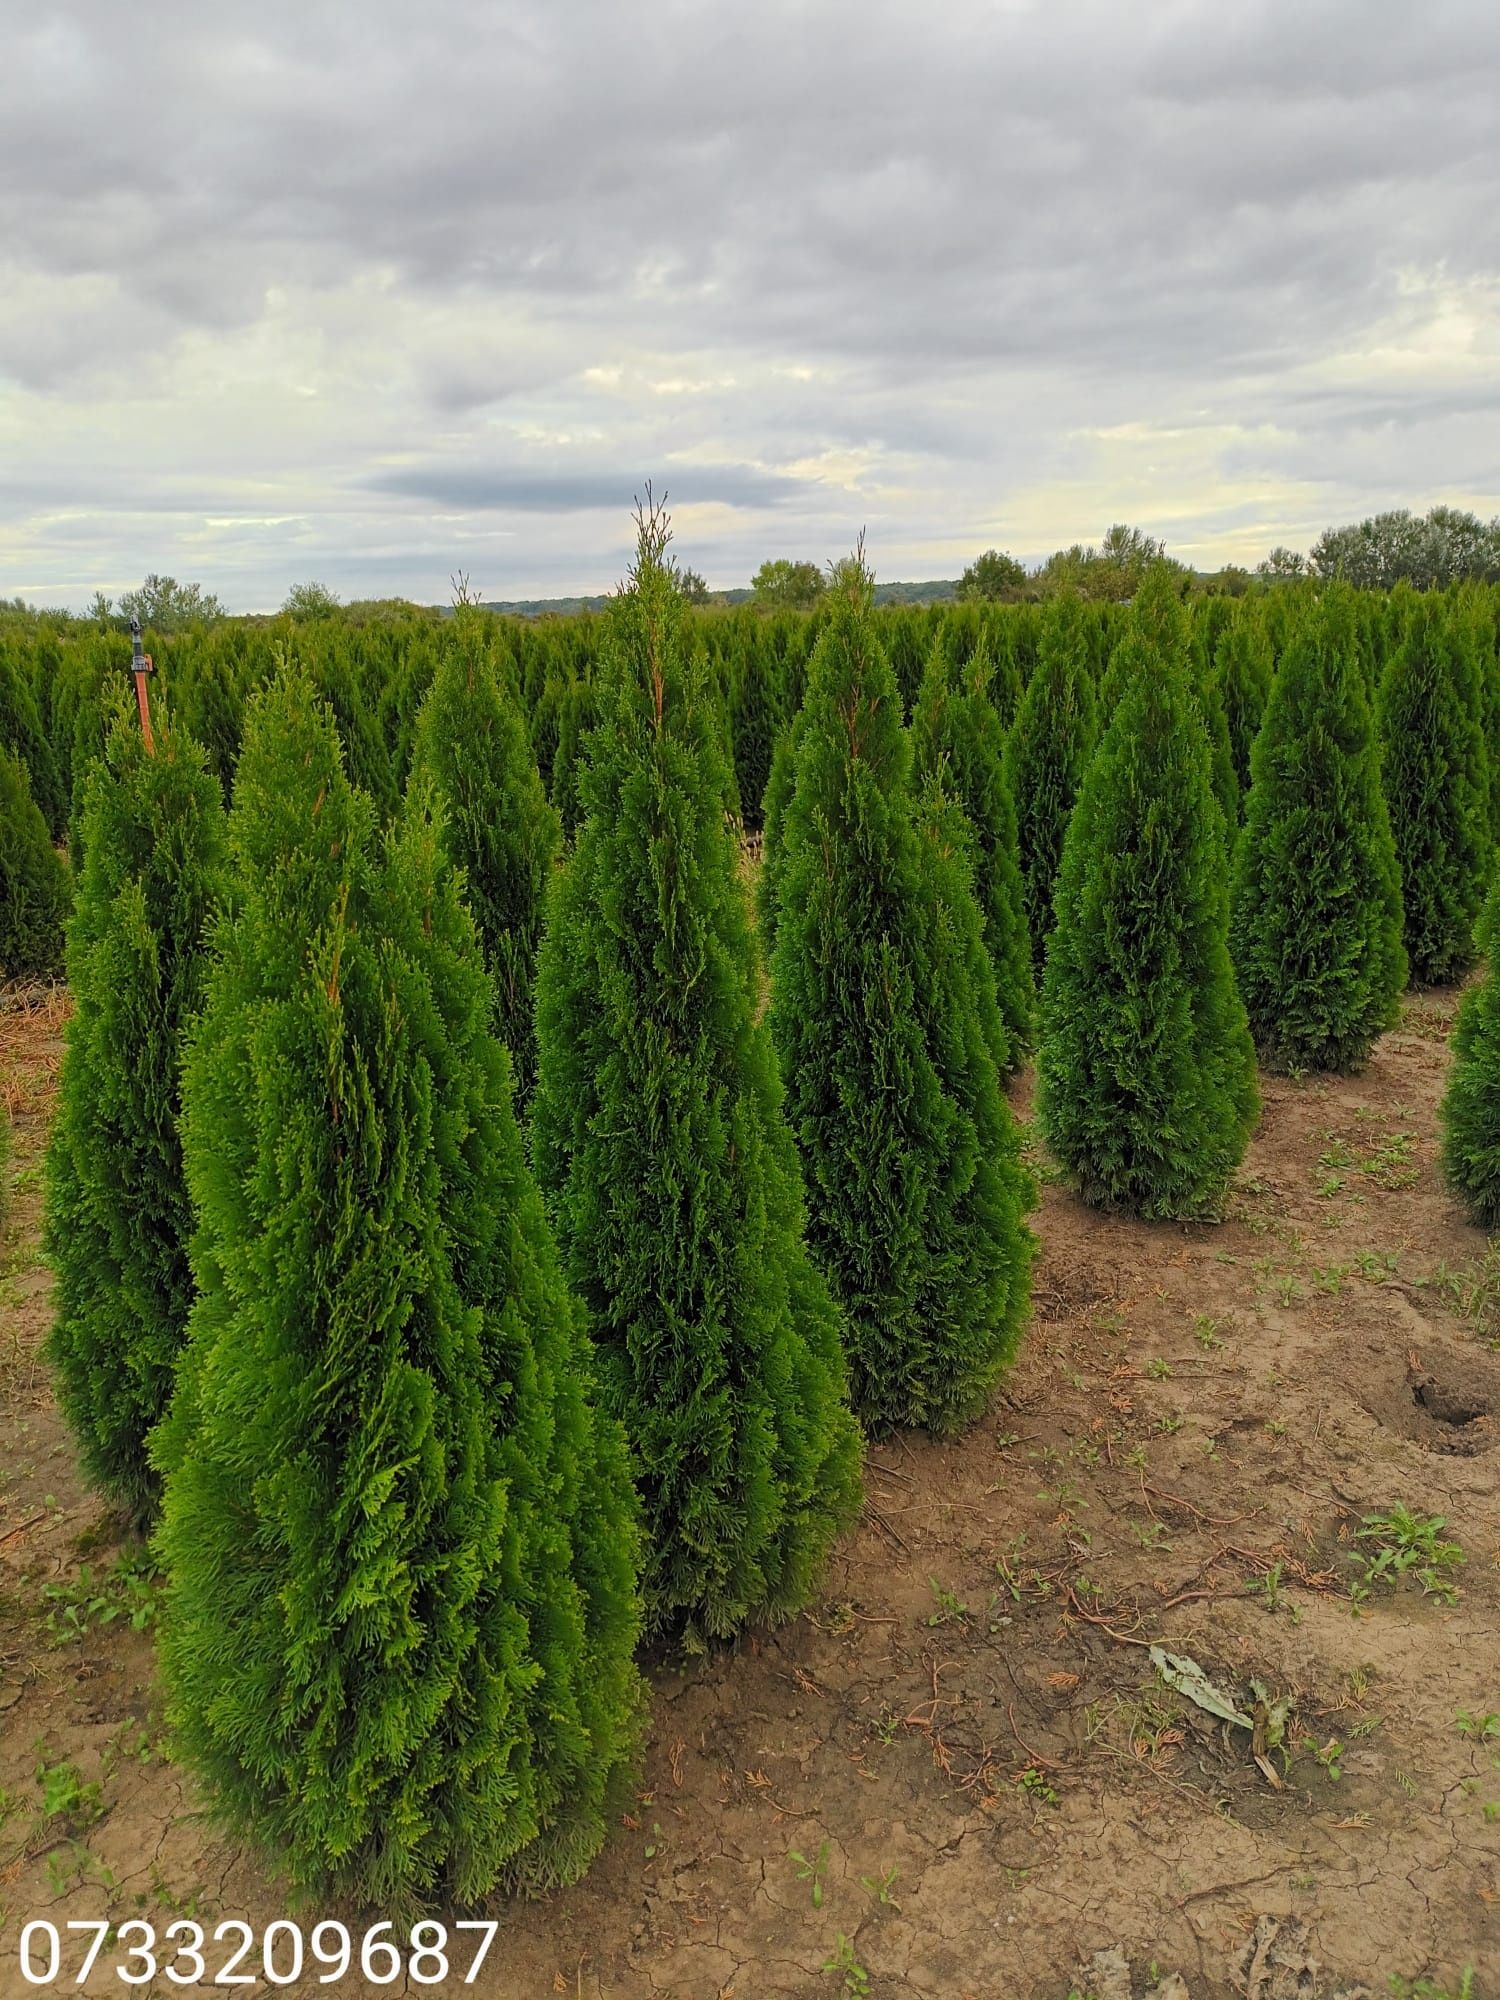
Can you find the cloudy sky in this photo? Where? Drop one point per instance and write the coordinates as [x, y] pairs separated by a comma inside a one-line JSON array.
[[373, 293]]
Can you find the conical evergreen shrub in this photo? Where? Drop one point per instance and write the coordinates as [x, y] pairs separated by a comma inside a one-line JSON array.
[[757, 715], [34, 887], [1242, 668], [497, 825], [778, 796], [1315, 908], [1222, 779], [1471, 1102], [23, 734], [1046, 755], [891, 1046], [118, 1220], [658, 1137], [960, 746], [398, 1634], [1146, 1068], [1436, 781]]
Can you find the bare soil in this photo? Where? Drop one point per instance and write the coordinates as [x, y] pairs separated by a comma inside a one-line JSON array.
[[965, 1739]]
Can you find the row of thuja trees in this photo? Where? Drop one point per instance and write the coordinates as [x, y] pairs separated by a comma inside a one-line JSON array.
[[432, 1426], [464, 1272]]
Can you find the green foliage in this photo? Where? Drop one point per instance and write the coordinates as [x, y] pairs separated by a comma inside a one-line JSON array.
[[1446, 545], [778, 796], [1242, 668], [659, 1138], [496, 825], [783, 585], [906, 635], [1226, 786], [34, 884], [208, 699], [1146, 1072], [399, 1541], [166, 605], [757, 716], [992, 576], [1315, 925], [1399, 1544], [117, 1216], [1437, 790], [23, 733], [1112, 571], [1046, 755], [310, 600], [883, 1008], [125, 1592], [1471, 1102], [959, 745]]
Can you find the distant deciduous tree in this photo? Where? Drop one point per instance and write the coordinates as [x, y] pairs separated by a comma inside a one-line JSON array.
[[1430, 551], [1113, 570], [167, 605], [1282, 565], [787, 586], [310, 600], [692, 586], [992, 575]]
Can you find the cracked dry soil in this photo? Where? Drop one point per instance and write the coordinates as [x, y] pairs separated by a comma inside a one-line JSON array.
[[964, 1738]]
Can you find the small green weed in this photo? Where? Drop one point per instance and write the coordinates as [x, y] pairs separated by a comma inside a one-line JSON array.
[[947, 1609], [1404, 1544], [842, 1960], [1427, 1989], [65, 1794], [126, 1591], [1390, 1165], [1032, 1785], [1330, 1755], [880, 1887], [811, 1871]]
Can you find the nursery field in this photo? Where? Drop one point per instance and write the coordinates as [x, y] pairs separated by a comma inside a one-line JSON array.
[[958, 1771]]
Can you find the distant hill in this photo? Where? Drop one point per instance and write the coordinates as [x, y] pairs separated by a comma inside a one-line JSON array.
[[938, 592]]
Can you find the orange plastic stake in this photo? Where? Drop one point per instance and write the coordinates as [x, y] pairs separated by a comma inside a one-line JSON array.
[[141, 665]]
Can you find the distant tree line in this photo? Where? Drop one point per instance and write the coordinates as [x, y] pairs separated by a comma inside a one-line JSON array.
[[1446, 545]]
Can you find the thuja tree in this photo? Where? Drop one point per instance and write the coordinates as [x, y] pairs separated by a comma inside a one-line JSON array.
[[1471, 1103], [1146, 1067], [959, 745], [659, 1139], [22, 733], [891, 1045], [118, 1221], [33, 881], [1046, 754], [1242, 669], [1315, 913], [778, 795], [1471, 618], [757, 715], [496, 826], [1437, 790], [400, 1615]]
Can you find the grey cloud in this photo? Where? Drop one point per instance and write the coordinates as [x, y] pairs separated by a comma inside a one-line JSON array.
[[464, 488]]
